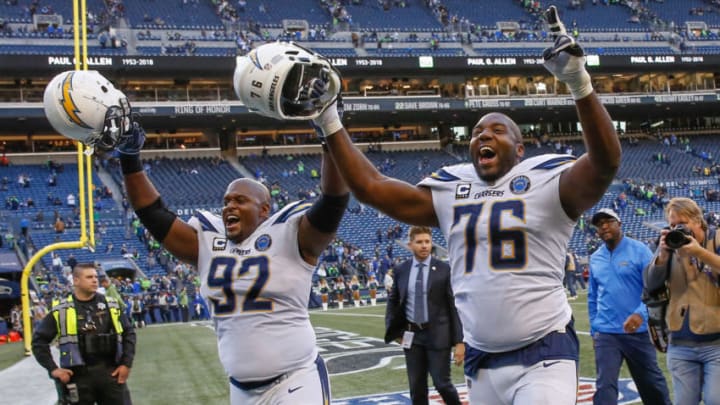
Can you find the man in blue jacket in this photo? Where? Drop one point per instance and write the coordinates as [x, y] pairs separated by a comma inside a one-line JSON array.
[[618, 319]]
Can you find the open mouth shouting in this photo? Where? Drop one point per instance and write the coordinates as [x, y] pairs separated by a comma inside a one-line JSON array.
[[232, 222], [486, 155]]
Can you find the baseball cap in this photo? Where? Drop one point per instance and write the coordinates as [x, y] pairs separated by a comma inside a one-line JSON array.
[[604, 213]]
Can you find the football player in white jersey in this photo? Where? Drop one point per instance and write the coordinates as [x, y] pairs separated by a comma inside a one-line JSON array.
[[256, 272], [507, 223], [255, 266]]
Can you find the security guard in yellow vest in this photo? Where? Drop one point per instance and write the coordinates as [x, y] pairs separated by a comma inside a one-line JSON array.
[[96, 342]]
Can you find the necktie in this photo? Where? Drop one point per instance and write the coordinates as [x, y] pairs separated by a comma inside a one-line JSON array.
[[419, 296]]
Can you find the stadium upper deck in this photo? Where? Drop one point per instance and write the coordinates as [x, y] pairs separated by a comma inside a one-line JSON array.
[[174, 59], [222, 27]]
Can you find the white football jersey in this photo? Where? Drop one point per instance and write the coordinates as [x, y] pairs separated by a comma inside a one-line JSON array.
[[258, 291], [507, 244]]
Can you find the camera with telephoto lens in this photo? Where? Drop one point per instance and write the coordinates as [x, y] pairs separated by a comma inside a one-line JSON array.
[[678, 237]]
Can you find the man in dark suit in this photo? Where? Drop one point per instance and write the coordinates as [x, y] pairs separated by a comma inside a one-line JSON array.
[[421, 314]]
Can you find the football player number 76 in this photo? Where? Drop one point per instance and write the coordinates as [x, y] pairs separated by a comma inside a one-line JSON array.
[[507, 245], [222, 275]]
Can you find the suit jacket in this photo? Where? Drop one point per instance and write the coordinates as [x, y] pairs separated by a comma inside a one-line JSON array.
[[444, 323]]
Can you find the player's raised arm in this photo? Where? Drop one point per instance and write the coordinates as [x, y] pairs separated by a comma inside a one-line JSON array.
[[582, 186], [318, 227], [175, 235], [276, 79], [396, 198]]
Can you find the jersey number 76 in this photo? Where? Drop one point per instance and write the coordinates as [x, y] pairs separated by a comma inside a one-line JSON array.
[[507, 246]]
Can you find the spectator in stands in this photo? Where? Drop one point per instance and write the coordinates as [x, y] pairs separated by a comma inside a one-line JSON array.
[[24, 226], [59, 226], [689, 272], [71, 261], [57, 264], [70, 200], [23, 180], [173, 306], [183, 304], [111, 290], [136, 307]]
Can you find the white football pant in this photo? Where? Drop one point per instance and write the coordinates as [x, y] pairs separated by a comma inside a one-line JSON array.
[[309, 385], [549, 382]]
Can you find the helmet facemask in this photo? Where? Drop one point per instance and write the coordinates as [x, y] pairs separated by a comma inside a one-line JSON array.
[[285, 81], [85, 106], [306, 90], [117, 122]]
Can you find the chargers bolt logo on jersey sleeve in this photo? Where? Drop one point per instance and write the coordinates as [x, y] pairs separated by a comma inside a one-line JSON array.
[[520, 185], [263, 243]]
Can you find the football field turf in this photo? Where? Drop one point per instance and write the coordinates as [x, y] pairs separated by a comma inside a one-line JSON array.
[[178, 363]]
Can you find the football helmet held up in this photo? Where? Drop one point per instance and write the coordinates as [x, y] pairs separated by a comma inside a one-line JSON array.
[[85, 106], [280, 80]]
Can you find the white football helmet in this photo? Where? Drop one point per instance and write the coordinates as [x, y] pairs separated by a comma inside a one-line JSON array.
[[280, 80], [84, 105]]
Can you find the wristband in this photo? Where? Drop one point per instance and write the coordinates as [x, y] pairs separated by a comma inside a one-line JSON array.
[[130, 164], [329, 121], [582, 87]]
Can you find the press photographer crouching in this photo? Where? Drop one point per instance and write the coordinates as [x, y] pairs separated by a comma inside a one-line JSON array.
[[682, 292]]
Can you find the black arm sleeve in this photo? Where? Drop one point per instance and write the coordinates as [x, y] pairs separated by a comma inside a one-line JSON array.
[[157, 218], [44, 334], [129, 339], [327, 212]]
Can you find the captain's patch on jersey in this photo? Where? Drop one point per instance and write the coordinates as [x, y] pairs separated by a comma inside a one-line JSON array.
[[462, 190], [520, 185], [219, 244], [263, 243]]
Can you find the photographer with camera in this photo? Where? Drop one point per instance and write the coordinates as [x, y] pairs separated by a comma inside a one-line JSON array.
[[684, 277]]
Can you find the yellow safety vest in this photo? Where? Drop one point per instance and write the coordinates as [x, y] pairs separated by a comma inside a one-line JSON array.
[[66, 321]]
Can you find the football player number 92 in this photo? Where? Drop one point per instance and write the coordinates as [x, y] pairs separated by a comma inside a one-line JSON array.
[[508, 246], [221, 276]]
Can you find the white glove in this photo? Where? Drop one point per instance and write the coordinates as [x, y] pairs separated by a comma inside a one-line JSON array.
[[329, 121], [566, 59]]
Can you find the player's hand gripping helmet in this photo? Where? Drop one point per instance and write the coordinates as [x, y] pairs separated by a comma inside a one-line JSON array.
[[85, 106], [277, 80]]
